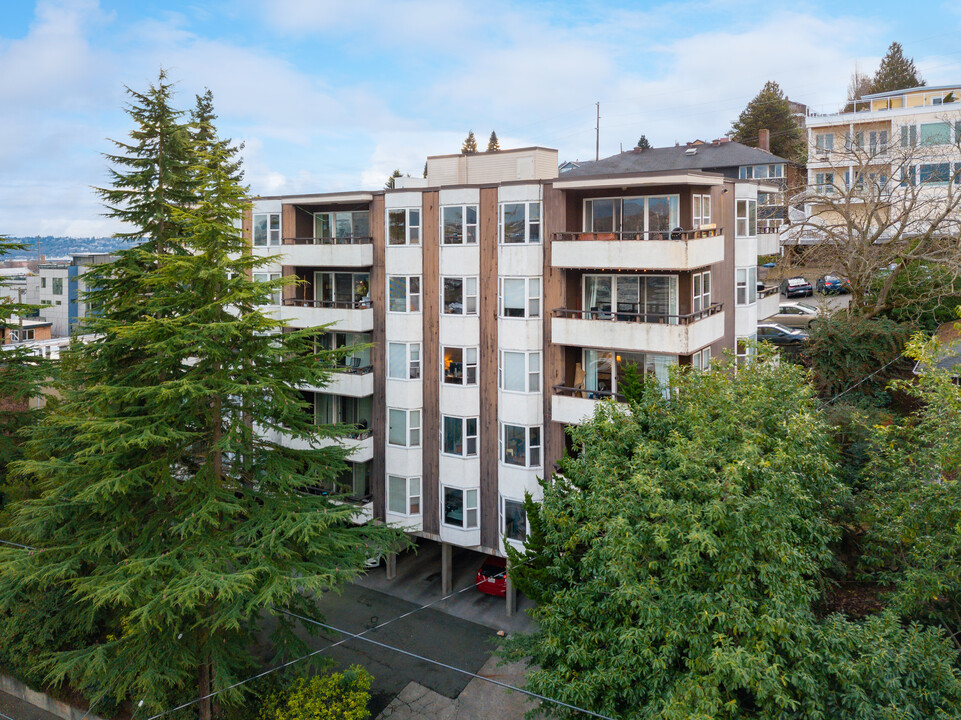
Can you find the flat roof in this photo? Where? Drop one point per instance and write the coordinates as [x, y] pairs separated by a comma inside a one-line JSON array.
[[584, 182], [922, 88], [506, 151]]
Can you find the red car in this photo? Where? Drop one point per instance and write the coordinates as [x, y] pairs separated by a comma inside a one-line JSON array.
[[492, 576]]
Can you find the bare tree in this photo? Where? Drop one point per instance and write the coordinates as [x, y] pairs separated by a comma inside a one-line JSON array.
[[876, 206]]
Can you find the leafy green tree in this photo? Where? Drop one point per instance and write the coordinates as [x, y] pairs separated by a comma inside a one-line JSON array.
[[673, 560], [470, 144], [389, 185], [493, 145], [770, 110], [170, 503], [896, 72], [643, 143], [337, 696]]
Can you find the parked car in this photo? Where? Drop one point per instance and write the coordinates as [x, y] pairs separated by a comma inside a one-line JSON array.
[[492, 576], [833, 284], [796, 314], [780, 335], [796, 287]]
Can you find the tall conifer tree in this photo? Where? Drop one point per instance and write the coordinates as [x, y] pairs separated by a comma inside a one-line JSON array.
[[896, 72], [171, 502], [770, 110]]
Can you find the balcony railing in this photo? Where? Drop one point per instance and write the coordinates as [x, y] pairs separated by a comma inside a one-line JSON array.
[[632, 236], [353, 369], [647, 317], [358, 240], [333, 304], [768, 291], [579, 392]]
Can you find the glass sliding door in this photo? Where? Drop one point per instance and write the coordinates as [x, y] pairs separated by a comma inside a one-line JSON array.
[[662, 216], [597, 295], [660, 299], [633, 218], [628, 297], [598, 366], [603, 216]]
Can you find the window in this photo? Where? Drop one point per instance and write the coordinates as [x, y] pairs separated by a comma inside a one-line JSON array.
[[460, 507], [702, 210], [520, 222], [57, 285], [878, 141], [403, 361], [355, 347], [935, 174], [459, 296], [702, 291], [403, 495], [824, 141], [403, 293], [746, 286], [937, 133], [459, 225], [342, 225], [341, 288], [520, 371], [21, 334], [655, 215], [909, 135], [269, 277], [403, 427], [520, 445], [520, 297], [515, 520], [460, 366], [266, 229], [460, 436], [640, 298], [43, 282], [604, 369], [403, 227], [701, 360], [743, 350], [824, 183], [335, 409], [746, 220]]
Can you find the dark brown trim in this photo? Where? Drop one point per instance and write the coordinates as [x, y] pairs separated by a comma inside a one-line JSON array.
[[430, 370], [553, 219], [378, 356], [487, 372]]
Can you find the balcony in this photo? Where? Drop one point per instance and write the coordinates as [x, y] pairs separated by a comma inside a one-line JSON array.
[[361, 444], [573, 406], [345, 316], [768, 240], [348, 381], [328, 252], [656, 333], [655, 250], [768, 302]]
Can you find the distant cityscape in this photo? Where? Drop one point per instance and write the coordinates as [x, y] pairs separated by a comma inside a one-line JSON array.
[[62, 247]]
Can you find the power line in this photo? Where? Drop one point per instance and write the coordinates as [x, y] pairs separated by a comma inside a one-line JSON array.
[[542, 698]]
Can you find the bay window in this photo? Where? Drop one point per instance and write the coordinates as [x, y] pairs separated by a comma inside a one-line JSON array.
[[403, 293], [403, 495], [459, 295], [403, 427], [520, 222], [269, 277], [745, 286], [460, 508], [520, 371], [266, 229], [459, 225], [460, 365], [515, 519], [520, 297], [403, 360], [746, 218], [460, 436], [403, 226], [520, 445]]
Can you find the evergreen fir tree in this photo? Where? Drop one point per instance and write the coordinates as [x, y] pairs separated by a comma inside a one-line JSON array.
[[205, 138], [389, 185], [425, 169], [643, 143], [770, 110], [470, 144], [493, 145], [896, 72], [170, 503]]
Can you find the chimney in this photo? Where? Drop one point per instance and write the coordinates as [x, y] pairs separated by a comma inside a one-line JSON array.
[[764, 139]]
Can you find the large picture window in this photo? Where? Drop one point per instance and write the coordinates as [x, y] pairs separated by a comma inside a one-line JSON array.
[[403, 495], [342, 226], [603, 369], [520, 371], [403, 226], [520, 222], [644, 298], [460, 366], [403, 361], [460, 508], [403, 293], [403, 427], [460, 436], [341, 288], [266, 229], [520, 297], [459, 295], [651, 216], [521, 445], [459, 225]]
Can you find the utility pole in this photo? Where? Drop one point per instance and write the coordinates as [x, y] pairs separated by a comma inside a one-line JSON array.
[[597, 129]]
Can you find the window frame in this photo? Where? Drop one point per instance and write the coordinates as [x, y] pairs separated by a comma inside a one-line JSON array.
[[469, 231], [745, 290], [749, 218], [468, 365], [412, 499], [530, 448], [269, 240], [412, 429], [411, 300], [412, 365], [467, 434], [674, 201], [503, 520], [701, 287], [411, 230], [466, 295], [824, 142], [275, 295], [533, 371], [466, 507], [532, 298], [529, 222], [699, 216]]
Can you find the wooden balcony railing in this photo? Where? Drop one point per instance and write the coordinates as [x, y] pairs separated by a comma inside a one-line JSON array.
[[359, 240], [625, 235], [330, 304], [646, 317], [768, 291], [579, 392]]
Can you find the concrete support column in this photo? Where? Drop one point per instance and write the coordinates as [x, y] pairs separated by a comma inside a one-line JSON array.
[[511, 598], [445, 568], [391, 566]]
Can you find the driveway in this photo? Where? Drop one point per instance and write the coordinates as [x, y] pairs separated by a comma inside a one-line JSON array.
[[17, 709]]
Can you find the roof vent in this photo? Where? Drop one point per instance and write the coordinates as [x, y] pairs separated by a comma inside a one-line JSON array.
[[691, 151]]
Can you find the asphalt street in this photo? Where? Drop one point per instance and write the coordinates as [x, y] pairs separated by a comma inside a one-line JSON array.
[[17, 709]]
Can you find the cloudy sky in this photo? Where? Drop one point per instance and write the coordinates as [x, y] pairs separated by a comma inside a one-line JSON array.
[[331, 95]]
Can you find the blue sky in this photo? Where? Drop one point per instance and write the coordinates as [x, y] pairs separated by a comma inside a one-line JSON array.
[[334, 95]]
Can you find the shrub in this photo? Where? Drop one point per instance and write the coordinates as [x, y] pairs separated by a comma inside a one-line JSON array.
[[338, 696]]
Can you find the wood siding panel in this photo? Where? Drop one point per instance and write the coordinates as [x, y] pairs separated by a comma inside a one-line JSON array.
[[487, 370], [722, 273], [378, 354], [554, 217], [247, 230], [430, 300]]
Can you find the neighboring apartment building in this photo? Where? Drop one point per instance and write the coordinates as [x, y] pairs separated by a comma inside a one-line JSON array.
[[502, 302], [59, 288], [904, 137]]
